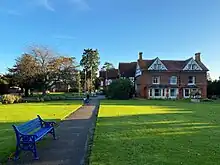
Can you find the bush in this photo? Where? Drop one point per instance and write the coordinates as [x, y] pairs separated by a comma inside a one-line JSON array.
[[47, 98], [62, 97], [41, 99], [8, 99], [120, 89], [54, 97], [207, 100], [18, 99]]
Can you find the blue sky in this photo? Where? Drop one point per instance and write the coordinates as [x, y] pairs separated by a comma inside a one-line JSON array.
[[119, 29]]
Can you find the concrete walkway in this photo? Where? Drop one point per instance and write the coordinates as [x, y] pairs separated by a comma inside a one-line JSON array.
[[71, 146]]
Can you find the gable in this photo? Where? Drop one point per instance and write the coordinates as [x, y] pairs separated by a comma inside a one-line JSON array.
[[138, 71], [192, 65], [157, 65]]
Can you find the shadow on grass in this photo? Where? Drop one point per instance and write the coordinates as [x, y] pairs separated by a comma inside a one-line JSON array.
[[8, 139], [182, 133], [67, 149]]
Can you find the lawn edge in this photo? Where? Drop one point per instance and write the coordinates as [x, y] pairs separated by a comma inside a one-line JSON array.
[[11, 155], [90, 138]]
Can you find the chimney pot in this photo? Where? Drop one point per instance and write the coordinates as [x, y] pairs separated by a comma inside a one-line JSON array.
[[198, 56], [140, 55]]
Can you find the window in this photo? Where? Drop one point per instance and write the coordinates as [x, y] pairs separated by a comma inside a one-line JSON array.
[[157, 92], [155, 66], [159, 66], [193, 66], [189, 66], [163, 92], [173, 80], [150, 92], [156, 80], [186, 93], [191, 80], [172, 92]]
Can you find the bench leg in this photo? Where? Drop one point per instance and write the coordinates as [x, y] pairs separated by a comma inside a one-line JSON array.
[[34, 150], [53, 133], [16, 157]]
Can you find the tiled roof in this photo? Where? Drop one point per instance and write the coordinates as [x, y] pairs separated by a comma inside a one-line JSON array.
[[111, 74], [127, 69]]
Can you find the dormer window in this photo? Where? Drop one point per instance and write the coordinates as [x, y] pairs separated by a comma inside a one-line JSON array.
[[192, 65], [157, 65]]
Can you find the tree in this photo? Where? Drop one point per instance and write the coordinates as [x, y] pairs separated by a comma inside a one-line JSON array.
[[42, 69], [120, 89], [106, 67], [3, 85], [24, 71], [90, 62], [67, 71]]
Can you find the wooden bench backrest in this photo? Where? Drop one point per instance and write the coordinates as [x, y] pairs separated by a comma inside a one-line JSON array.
[[29, 126]]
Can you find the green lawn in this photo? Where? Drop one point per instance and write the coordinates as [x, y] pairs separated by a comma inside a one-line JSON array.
[[157, 133], [19, 113]]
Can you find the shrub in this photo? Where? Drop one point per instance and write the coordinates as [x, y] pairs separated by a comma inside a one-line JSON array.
[[207, 100], [54, 97], [8, 99], [18, 99], [41, 99], [62, 97], [120, 89], [47, 98]]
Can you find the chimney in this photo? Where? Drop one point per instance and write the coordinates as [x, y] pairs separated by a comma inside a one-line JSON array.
[[140, 55], [197, 57]]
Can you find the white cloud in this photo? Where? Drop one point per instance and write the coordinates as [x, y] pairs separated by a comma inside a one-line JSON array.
[[64, 37], [81, 4], [47, 5]]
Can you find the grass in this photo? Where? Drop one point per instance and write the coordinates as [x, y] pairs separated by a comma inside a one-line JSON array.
[[19, 113], [157, 133]]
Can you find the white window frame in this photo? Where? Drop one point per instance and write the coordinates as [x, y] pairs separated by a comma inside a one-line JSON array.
[[158, 79], [184, 92], [171, 78], [193, 80], [175, 92], [155, 92]]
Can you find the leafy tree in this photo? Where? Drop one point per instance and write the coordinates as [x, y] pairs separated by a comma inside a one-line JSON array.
[[24, 71], [107, 66], [4, 85], [213, 88], [90, 62], [120, 89], [97, 83], [67, 71]]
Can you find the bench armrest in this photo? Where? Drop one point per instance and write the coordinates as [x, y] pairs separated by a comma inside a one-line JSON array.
[[49, 123], [46, 123]]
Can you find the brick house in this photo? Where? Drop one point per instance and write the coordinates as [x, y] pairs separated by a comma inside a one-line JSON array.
[[108, 76], [157, 78], [127, 70]]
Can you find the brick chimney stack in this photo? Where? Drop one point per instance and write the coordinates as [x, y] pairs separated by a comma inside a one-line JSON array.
[[198, 56], [140, 56]]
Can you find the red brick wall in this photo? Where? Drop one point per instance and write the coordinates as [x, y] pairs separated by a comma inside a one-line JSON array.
[[182, 80]]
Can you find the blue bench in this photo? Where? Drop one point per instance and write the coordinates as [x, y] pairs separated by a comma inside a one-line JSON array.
[[29, 133]]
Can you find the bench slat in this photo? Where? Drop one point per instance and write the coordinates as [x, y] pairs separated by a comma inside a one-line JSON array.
[[30, 126]]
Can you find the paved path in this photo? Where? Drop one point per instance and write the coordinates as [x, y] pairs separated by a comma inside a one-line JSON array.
[[71, 145]]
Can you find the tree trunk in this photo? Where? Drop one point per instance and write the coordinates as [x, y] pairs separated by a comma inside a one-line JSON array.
[[26, 92]]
